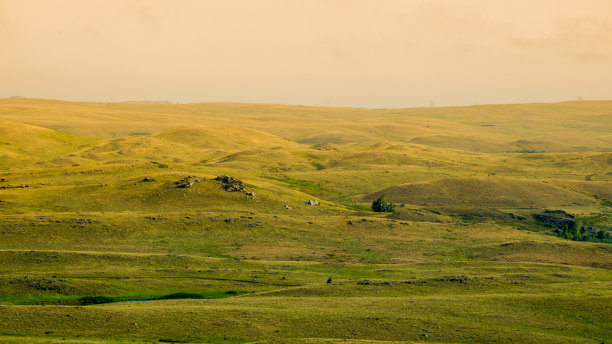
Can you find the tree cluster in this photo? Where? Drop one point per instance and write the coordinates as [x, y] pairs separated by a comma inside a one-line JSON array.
[[379, 205]]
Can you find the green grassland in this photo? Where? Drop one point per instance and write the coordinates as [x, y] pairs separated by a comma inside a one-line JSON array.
[[115, 229]]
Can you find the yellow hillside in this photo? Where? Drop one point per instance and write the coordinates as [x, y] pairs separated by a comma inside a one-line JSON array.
[[224, 138], [483, 192], [559, 127], [243, 223], [22, 143]]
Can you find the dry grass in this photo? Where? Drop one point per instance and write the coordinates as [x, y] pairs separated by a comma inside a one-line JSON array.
[[450, 266]]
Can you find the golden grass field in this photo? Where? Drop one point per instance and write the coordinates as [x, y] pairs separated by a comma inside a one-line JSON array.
[[113, 228]]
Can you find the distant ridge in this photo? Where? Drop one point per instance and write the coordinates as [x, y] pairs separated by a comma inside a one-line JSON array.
[[578, 126]]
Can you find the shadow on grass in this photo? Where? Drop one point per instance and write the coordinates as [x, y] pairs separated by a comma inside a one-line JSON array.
[[100, 299]]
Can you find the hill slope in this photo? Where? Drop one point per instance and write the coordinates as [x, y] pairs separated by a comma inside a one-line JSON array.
[[242, 223], [22, 143], [483, 192], [560, 127]]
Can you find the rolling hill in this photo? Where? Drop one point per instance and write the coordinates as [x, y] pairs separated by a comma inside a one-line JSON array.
[[484, 192], [22, 143], [559, 127], [243, 223]]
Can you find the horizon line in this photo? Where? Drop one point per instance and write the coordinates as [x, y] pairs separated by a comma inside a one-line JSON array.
[[167, 102]]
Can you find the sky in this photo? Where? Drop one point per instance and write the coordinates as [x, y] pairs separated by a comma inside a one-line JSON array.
[[359, 53]]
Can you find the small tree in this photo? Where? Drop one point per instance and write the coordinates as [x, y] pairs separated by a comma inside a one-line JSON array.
[[380, 205]]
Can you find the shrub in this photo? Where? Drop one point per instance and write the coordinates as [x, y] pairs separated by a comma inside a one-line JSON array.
[[181, 295], [380, 205], [95, 300]]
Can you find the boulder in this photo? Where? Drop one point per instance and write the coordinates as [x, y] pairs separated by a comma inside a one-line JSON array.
[[231, 184], [186, 182]]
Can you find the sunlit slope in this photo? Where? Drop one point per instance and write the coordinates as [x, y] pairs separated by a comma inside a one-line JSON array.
[[294, 246], [600, 189], [148, 188], [559, 127], [22, 143], [185, 142], [224, 138], [484, 191], [342, 170], [598, 165], [223, 147]]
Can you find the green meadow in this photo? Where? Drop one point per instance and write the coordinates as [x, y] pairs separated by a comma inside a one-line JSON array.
[[117, 226]]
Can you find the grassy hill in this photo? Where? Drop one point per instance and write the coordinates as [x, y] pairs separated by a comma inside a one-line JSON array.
[[560, 127], [21, 143], [223, 138], [484, 192], [119, 223]]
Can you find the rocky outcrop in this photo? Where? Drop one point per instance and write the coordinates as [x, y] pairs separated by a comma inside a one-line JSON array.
[[186, 182], [556, 219], [231, 184]]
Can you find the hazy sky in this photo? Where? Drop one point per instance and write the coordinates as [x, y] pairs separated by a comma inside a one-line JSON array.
[[379, 53]]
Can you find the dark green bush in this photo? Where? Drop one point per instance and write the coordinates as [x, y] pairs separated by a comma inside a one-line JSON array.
[[380, 205], [94, 300], [181, 295]]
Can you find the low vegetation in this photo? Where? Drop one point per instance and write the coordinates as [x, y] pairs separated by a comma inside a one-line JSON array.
[[284, 224], [379, 205]]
